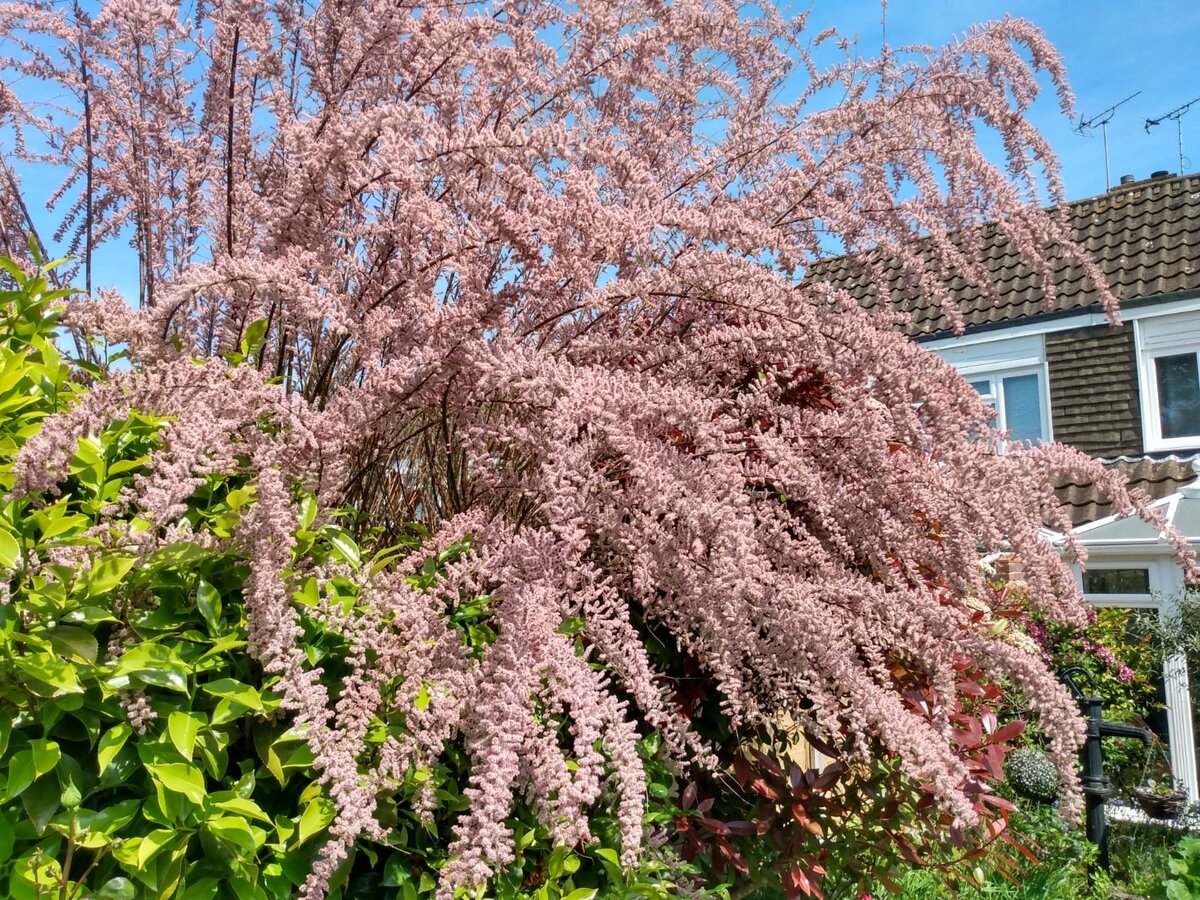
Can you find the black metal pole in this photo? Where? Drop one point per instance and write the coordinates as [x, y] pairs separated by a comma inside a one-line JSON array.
[[1096, 787]]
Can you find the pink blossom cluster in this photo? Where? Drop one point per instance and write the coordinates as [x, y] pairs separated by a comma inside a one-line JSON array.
[[534, 273], [1037, 631], [1109, 658]]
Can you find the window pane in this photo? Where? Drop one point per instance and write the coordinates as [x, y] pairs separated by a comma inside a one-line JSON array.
[[1178, 395], [1023, 407], [983, 389], [1116, 581]]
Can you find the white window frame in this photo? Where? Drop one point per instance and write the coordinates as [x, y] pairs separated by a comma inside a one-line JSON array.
[[1151, 346], [1165, 580], [997, 359], [996, 378]]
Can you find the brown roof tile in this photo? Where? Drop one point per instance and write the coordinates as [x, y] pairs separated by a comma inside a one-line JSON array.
[[1145, 236]]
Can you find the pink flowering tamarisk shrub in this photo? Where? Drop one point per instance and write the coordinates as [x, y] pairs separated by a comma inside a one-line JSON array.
[[143, 751], [533, 272]]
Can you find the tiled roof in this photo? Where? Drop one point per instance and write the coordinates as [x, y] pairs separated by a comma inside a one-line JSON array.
[[1157, 477], [1145, 236]]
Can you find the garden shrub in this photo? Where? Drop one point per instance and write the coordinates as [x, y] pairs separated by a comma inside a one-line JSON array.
[[1062, 868], [861, 822], [144, 751], [1119, 650], [1184, 868]]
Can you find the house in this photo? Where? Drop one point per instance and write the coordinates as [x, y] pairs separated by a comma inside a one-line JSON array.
[[1129, 396]]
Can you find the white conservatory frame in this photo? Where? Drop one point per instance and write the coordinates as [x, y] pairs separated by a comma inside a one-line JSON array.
[[1112, 544]]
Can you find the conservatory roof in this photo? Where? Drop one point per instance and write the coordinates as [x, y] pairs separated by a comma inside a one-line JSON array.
[[1181, 509]]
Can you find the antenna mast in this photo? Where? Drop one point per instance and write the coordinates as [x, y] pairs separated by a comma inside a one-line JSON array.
[[1177, 115], [1102, 119]]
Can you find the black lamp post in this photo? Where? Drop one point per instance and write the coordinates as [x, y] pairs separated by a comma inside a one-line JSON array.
[[1096, 786]]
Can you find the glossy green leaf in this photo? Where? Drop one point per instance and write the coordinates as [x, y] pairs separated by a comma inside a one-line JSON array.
[[154, 843], [20, 773], [74, 643], [232, 689], [41, 801], [150, 663], [46, 755], [107, 573], [116, 889], [254, 338], [208, 602], [183, 728], [244, 807], [182, 778], [204, 889], [233, 831], [110, 745], [227, 711], [113, 818], [49, 676], [315, 818], [6, 839], [9, 549], [343, 543], [14, 271], [60, 525]]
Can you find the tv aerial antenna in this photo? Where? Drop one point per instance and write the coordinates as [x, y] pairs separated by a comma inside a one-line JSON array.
[[1102, 119], [1177, 115]]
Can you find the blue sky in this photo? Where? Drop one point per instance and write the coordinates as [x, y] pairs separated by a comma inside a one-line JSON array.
[[1111, 48]]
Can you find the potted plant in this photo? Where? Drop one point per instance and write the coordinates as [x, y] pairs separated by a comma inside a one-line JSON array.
[[1161, 799]]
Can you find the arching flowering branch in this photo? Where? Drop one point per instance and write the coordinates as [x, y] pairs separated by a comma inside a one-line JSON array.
[[535, 272]]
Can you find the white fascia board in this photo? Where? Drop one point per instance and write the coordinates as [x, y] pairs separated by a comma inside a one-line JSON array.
[[1142, 546], [1185, 302], [1108, 520]]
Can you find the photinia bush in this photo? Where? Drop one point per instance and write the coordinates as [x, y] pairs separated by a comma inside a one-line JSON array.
[[839, 830]]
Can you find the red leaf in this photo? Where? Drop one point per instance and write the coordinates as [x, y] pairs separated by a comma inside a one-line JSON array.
[[908, 851], [993, 761], [829, 776], [972, 735], [716, 826], [821, 746], [764, 789], [970, 688], [1007, 732], [742, 769], [688, 800], [767, 764], [998, 802], [1013, 840]]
